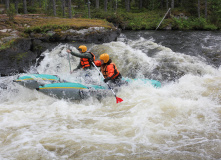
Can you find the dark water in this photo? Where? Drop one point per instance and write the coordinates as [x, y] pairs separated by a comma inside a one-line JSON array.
[[204, 44]]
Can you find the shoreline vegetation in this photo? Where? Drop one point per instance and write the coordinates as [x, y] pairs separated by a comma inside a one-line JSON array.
[[15, 24]]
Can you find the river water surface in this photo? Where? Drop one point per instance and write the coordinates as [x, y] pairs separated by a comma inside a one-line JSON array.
[[181, 120]]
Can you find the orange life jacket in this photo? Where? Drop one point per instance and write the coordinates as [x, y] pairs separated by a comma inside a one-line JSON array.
[[86, 62], [110, 70]]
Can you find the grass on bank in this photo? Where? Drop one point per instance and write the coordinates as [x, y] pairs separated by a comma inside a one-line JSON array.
[[132, 21], [30, 23], [149, 20], [44, 25]]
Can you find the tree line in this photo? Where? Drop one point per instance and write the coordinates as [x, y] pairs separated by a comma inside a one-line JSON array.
[[197, 8]]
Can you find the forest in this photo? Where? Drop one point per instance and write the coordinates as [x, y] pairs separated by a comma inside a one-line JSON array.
[[127, 14]]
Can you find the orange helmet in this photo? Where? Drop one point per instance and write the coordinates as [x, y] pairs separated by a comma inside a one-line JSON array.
[[82, 48], [104, 57]]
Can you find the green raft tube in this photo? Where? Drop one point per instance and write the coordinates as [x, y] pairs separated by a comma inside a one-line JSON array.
[[52, 85], [33, 81]]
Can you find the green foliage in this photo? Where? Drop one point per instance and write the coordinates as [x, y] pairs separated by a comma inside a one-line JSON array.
[[11, 12], [139, 22], [32, 9], [134, 21], [190, 6], [148, 17], [192, 24], [45, 6], [215, 15], [20, 8], [7, 44], [46, 28], [198, 23], [180, 24], [210, 27], [145, 19]]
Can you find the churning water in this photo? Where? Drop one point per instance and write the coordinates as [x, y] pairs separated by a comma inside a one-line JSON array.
[[181, 120]]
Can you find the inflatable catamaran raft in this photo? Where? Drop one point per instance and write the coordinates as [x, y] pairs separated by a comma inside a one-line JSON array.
[[53, 86]]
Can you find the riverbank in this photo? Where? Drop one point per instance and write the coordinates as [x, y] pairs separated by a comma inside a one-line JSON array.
[[149, 20], [54, 28], [24, 39], [37, 26]]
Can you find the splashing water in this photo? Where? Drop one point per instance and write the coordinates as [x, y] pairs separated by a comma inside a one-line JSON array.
[[180, 120]]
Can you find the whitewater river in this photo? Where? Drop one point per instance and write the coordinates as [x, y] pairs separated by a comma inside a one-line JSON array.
[[181, 120]]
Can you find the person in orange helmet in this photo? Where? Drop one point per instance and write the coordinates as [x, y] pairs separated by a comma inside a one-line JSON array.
[[109, 69], [86, 58]]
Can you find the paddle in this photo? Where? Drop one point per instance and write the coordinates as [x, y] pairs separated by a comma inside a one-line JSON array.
[[118, 100], [69, 62]]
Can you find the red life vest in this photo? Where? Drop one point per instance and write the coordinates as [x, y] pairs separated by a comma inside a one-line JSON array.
[[86, 62], [110, 70]]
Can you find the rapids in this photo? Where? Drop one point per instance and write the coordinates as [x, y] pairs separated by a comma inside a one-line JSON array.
[[181, 120]]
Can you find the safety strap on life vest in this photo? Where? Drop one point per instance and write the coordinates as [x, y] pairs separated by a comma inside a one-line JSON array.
[[105, 71], [86, 62]]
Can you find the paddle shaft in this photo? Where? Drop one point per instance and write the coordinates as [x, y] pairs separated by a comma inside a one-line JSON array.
[[69, 62], [103, 78]]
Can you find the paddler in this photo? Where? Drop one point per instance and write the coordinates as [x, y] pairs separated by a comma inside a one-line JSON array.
[[109, 70], [86, 58]]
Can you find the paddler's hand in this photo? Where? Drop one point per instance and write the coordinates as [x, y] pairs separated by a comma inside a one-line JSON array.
[[68, 51], [107, 79]]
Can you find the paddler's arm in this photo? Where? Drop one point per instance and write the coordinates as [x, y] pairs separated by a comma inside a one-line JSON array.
[[97, 63], [80, 55]]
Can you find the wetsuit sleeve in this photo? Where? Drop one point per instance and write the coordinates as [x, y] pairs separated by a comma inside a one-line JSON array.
[[82, 55], [97, 63]]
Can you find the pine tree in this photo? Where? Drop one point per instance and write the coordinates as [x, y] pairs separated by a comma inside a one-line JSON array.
[[69, 9], [25, 6]]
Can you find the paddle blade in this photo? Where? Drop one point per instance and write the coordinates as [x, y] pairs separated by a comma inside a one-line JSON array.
[[119, 99]]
